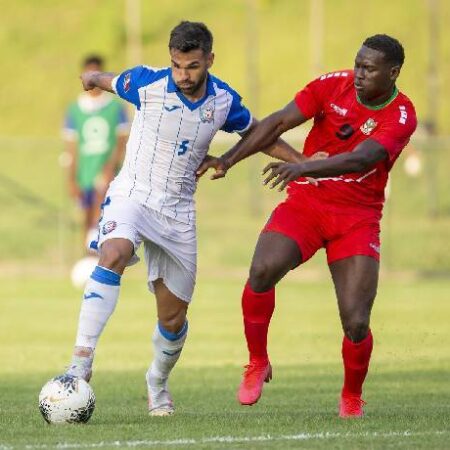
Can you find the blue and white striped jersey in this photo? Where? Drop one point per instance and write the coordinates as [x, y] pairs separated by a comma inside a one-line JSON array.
[[170, 136]]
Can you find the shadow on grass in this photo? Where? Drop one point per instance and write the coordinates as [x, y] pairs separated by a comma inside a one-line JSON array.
[[300, 398]]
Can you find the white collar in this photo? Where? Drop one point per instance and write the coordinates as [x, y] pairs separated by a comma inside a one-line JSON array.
[[90, 104]]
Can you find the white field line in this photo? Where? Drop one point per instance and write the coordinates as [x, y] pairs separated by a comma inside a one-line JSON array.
[[226, 440]]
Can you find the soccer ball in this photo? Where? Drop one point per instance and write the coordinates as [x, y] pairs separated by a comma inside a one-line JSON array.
[[82, 270], [66, 399], [413, 165]]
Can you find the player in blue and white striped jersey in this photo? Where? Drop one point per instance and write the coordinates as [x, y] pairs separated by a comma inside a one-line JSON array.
[[178, 111]]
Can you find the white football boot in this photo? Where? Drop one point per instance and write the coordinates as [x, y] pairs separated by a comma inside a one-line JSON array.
[[159, 399], [81, 367]]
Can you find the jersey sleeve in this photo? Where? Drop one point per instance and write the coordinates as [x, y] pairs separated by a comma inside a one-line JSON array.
[[311, 99], [127, 84], [394, 134], [69, 131], [239, 117]]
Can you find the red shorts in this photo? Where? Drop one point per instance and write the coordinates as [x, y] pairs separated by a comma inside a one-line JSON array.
[[343, 231]]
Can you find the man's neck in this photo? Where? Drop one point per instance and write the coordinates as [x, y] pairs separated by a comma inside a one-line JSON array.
[[381, 100], [96, 92], [198, 94]]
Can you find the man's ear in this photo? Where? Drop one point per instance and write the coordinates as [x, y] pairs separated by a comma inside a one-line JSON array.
[[210, 60], [395, 72]]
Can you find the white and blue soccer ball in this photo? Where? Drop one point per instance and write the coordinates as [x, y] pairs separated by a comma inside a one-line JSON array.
[[66, 399], [82, 271]]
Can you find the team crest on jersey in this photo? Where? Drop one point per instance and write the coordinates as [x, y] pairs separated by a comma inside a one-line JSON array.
[[127, 82], [109, 226], [368, 127], [207, 113]]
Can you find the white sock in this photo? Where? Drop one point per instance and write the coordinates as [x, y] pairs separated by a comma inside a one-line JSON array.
[[100, 299], [167, 349]]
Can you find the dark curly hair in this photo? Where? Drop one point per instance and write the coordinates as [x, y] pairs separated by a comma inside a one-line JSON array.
[[93, 59], [389, 46], [187, 36]]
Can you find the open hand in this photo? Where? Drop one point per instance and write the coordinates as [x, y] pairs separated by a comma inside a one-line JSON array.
[[287, 172], [283, 173], [219, 164]]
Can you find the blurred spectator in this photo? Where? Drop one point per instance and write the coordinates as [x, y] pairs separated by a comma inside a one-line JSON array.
[[95, 133]]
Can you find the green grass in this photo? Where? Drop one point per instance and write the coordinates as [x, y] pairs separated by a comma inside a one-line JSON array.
[[407, 389]]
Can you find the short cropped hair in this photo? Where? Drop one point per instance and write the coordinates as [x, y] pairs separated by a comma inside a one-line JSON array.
[[93, 59], [187, 36], [389, 46]]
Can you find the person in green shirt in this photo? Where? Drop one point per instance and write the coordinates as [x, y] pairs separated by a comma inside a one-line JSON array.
[[95, 133]]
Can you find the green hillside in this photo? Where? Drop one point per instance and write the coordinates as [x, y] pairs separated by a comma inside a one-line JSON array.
[[42, 43]]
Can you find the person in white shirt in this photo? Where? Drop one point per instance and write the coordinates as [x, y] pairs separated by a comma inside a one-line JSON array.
[[179, 109]]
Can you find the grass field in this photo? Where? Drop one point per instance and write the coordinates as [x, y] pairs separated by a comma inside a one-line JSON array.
[[407, 389]]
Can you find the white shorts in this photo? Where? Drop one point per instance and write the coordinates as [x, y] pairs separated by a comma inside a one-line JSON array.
[[170, 246]]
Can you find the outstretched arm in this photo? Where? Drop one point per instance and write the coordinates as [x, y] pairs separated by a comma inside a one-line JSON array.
[[94, 79], [363, 157], [272, 126], [265, 134], [284, 152], [281, 150]]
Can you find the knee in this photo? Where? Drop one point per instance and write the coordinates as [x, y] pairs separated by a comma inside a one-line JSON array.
[[356, 328], [173, 322], [113, 258], [261, 277]]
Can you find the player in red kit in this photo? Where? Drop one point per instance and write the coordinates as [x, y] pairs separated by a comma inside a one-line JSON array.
[[363, 122]]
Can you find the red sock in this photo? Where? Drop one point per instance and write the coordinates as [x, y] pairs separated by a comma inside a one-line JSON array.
[[356, 358], [257, 309]]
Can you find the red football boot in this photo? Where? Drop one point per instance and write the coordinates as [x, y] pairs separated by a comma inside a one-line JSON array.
[[255, 375], [351, 406]]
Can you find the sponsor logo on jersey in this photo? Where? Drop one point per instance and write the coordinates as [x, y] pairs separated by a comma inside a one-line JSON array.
[[403, 115], [375, 247], [127, 82], [109, 226], [207, 113], [339, 110], [368, 127]]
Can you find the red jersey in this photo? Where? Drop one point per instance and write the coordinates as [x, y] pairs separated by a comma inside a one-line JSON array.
[[341, 122]]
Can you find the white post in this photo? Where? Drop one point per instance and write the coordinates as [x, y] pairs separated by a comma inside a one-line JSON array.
[[316, 37], [133, 30], [433, 104], [252, 59]]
